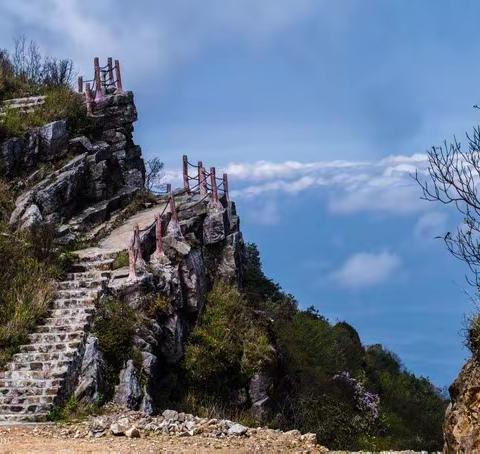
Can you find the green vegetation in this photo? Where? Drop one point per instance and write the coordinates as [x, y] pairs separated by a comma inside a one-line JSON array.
[[27, 73], [352, 397], [72, 410], [115, 324], [28, 261]]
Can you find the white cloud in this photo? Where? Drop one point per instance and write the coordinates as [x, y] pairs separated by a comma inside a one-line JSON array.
[[430, 225], [366, 269], [385, 185]]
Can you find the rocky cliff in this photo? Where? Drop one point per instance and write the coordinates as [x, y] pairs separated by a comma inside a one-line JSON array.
[[76, 181], [462, 422]]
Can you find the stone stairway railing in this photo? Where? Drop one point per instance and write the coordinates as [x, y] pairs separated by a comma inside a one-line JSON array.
[[44, 371]]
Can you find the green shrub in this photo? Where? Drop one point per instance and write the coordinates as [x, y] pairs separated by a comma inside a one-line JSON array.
[[114, 325], [60, 103], [227, 346], [121, 259]]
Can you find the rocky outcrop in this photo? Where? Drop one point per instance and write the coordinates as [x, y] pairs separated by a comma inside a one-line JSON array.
[[104, 170], [462, 421]]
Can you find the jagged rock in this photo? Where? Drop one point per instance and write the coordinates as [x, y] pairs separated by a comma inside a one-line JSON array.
[[30, 217], [215, 226], [237, 429], [91, 385], [462, 427], [132, 433], [172, 340], [53, 136], [128, 391], [258, 389], [194, 282], [120, 427], [170, 415], [11, 153], [229, 266]]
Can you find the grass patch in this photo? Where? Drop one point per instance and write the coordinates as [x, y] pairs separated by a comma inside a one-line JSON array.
[[72, 410], [60, 103], [115, 324], [121, 259]]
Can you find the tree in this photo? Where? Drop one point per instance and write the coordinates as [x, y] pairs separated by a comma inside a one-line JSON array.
[[453, 178], [153, 174]]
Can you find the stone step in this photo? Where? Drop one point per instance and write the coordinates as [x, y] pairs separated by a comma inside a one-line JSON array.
[[56, 337], [41, 366], [71, 312], [16, 417], [81, 283], [27, 409], [72, 303], [20, 391], [52, 356], [49, 347], [39, 383], [27, 400], [77, 293], [59, 329], [80, 318], [21, 375], [86, 275], [98, 265]]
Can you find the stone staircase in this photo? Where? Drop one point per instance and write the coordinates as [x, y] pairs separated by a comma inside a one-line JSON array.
[[43, 373]]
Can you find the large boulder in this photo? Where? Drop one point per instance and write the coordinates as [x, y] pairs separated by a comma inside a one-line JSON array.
[[128, 391], [462, 423], [91, 385]]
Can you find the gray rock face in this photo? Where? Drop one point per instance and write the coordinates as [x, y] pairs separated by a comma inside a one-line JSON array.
[[107, 167], [53, 136], [258, 389], [30, 217], [91, 386], [128, 392], [215, 226]]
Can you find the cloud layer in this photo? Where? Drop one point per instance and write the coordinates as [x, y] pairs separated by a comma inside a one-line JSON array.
[[351, 186], [365, 269]]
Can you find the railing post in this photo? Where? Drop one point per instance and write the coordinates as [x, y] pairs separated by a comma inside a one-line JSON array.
[[159, 253], [138, 246], [110, 74], [169, 188], [80, 84], [202, 181], [173, 208], [225, 186], [186, 183], [199, 175], [118, 77], [88, 99], [132, 260], [213, 181], [98, 81]]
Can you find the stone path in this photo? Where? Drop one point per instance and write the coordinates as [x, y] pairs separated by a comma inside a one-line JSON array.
[[119, 238], [42, 372]]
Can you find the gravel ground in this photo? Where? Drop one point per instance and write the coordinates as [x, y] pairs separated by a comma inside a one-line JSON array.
[[49, 439]]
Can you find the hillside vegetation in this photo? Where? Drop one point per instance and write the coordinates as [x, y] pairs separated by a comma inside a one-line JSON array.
[[353, 397]]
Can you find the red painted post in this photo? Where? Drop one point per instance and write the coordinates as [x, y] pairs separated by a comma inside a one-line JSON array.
[[173, 208], [98, 81], [118, 77], [132, 261], [88, 99], [138, 246], [159, 253], [80, 84], [203, 181], [110, 74], [186, 183], [225, 186], [213, 181]]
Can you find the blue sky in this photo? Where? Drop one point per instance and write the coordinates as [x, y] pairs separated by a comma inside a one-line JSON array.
[[319, 111]]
